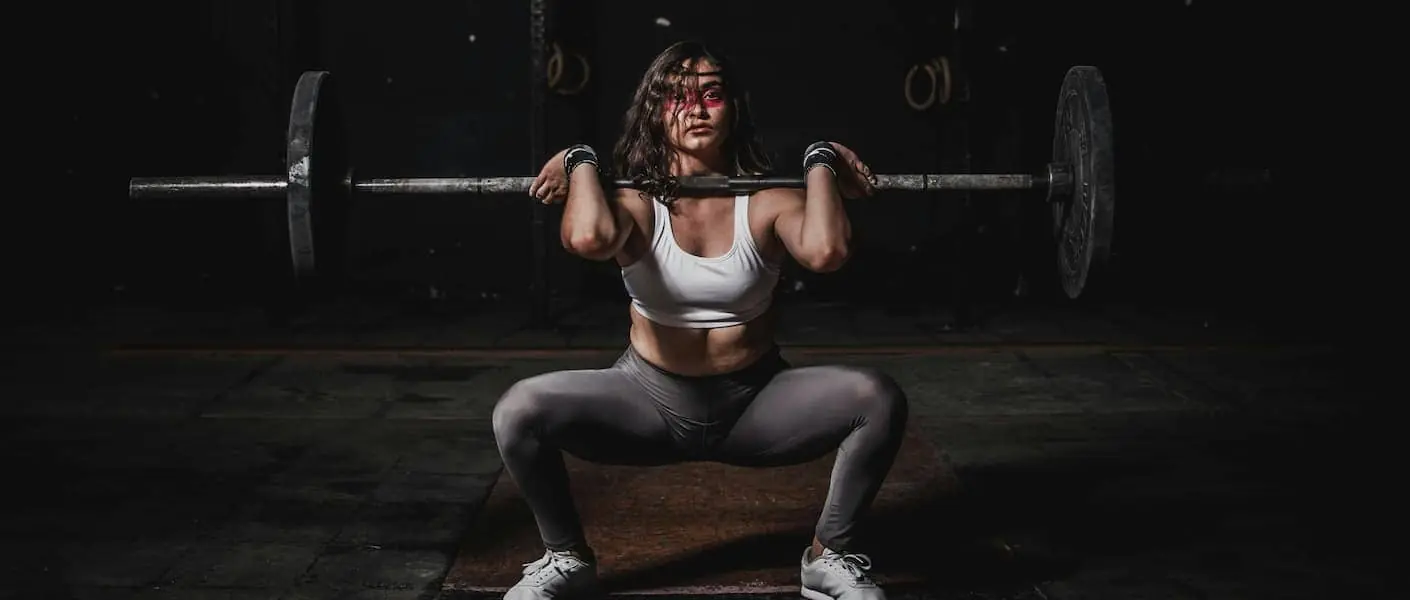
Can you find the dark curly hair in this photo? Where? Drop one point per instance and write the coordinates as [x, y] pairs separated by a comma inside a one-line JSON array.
[[643, 154]]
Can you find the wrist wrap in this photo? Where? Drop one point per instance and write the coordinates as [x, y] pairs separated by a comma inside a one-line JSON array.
[[819, 154], [578, 154]]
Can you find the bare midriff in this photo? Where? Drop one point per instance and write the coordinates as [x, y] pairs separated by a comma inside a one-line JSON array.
[[700, 352]]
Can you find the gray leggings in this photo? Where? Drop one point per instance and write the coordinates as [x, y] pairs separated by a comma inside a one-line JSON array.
[[635, 413]]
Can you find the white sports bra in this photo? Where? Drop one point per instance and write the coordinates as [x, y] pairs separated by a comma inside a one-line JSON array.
[[675, 288]]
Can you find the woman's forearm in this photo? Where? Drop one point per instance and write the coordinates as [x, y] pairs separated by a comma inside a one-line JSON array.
[[589, 224]]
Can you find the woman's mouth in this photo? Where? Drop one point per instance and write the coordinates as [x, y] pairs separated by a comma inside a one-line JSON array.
[[699, 129]]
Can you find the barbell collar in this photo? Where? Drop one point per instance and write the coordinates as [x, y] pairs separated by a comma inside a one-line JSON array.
[[1058, 181]]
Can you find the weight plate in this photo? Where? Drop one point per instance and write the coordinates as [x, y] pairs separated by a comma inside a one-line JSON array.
[[316, 160], [1082, 138]]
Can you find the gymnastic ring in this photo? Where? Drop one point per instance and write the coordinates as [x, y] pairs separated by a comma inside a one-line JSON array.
[[587, 74], [906, 87], [942, 65], [554, 66]]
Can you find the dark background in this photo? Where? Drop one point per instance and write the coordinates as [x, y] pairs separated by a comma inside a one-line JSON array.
[[202, 87]]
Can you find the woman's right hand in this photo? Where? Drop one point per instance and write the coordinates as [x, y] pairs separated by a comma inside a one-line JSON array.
[[551, 184]]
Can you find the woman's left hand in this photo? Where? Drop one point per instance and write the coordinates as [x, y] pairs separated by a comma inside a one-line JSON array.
[[854, 178]]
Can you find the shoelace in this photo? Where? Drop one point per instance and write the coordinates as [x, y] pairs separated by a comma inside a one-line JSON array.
[[855, 564], [538, 568]]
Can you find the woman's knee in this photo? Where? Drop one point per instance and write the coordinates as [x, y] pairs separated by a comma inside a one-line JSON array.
[[521, 408], [881, 396]]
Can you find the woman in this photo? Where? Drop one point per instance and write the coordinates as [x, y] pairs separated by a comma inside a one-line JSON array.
[[702, 377]]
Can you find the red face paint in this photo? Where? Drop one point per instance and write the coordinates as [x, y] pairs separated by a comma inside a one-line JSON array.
[[714, 98]]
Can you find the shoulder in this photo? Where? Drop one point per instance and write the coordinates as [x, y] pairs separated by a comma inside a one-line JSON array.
[[630, 199], [632, 202], [779, 200]]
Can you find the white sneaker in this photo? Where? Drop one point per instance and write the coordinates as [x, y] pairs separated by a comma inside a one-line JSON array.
[[556, 575], [836, 576]]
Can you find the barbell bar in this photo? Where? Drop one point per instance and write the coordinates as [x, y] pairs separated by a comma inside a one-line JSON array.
[[1079, 183], [275, 187]]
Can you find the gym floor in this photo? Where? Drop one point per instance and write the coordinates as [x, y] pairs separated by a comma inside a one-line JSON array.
[[1106, 452]]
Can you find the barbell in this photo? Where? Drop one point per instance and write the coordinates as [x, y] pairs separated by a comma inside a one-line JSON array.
[[1079, 182]]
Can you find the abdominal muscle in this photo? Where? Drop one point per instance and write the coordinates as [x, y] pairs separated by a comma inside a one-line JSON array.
[[698, 352]]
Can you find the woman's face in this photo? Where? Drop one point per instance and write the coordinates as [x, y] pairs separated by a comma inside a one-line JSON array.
[[696, 114]]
